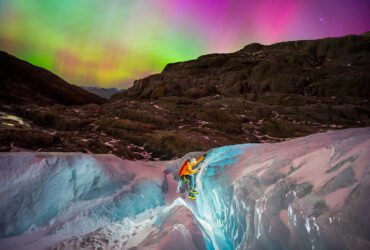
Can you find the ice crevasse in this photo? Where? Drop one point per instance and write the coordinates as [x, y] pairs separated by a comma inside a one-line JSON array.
[[306, 193]]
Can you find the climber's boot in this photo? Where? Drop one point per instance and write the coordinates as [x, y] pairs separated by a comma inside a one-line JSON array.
[[192, 196], [193, 191]]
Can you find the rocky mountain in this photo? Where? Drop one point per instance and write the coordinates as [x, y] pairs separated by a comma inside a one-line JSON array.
[[328, 67], [102, 92], [258, 94], [25, 83], [306, 193]]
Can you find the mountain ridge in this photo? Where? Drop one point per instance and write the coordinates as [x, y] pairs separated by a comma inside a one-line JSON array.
[[324, 67], [23, 82]]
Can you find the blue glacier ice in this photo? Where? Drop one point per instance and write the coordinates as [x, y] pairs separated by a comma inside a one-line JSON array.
[[145, 195], [47, 187], [215, 205]]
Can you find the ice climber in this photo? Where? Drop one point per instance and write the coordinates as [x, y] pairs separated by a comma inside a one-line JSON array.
[[187, 174]]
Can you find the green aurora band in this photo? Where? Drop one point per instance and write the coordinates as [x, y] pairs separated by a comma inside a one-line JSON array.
[[113, 42]]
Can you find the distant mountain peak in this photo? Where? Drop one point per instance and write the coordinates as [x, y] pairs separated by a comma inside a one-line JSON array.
[[105, 93]]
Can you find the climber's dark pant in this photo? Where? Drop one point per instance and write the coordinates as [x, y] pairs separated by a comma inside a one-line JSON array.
[[191, 181]]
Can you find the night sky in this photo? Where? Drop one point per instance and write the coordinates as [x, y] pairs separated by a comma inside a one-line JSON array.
[[112, 42]]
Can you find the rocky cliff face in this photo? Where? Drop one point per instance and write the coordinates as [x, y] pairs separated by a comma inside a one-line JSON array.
[[308, 193], [326, 67]]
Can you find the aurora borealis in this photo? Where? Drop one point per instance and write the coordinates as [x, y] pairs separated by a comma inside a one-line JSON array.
[[110, 43]]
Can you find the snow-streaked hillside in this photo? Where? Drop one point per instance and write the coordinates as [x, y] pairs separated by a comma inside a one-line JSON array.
[[307, 193]]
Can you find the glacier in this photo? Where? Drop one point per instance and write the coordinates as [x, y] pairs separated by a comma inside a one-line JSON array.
[[307, 193]]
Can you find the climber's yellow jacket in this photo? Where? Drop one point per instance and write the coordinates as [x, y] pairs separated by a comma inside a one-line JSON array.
[[187, 167]]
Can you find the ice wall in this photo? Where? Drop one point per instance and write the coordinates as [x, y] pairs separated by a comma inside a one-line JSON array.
[[216, 194], [307, 193], [42, 194]]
